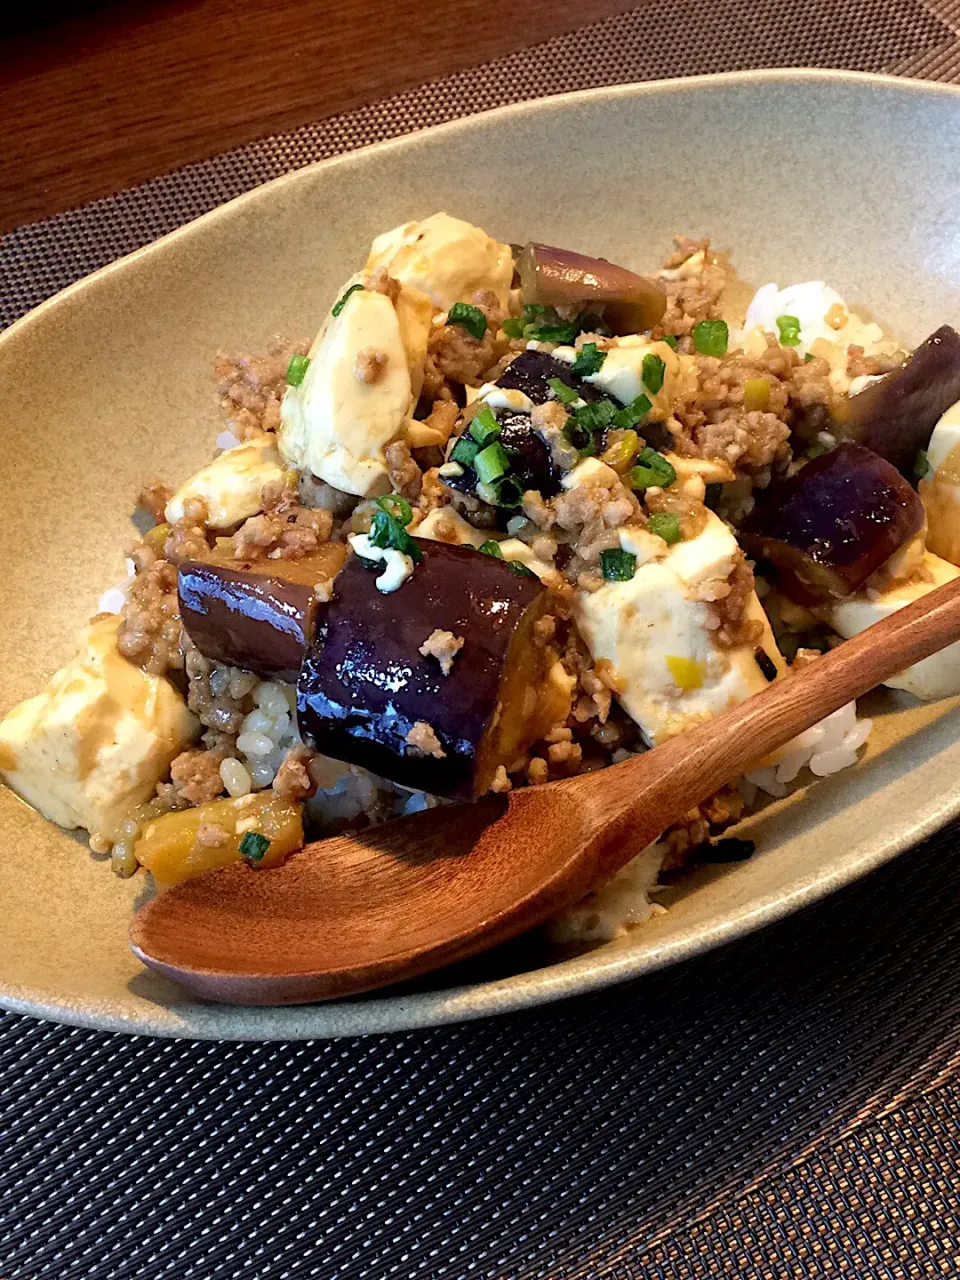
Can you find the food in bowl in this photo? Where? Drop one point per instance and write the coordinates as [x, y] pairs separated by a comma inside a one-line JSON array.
[[513, 515]]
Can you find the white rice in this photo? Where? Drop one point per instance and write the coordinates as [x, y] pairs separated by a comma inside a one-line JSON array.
[[825, 748]]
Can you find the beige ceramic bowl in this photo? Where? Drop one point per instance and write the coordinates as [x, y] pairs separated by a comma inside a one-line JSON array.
[[800, 174]]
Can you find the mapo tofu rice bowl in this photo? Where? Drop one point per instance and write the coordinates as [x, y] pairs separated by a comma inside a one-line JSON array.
[[516, 513]]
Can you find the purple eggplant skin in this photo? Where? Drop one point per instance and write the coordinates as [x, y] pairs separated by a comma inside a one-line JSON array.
[[250, 620], [530, 458], [531, 372], [896, 416], [365, 683], [833, 523]]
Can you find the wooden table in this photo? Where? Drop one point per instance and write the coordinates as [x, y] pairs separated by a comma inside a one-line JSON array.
[[97, 96]]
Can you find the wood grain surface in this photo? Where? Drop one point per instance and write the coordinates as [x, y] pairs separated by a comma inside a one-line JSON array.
[[97, 97]]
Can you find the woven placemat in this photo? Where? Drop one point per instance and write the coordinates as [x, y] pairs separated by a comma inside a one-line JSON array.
[[785, 1107]]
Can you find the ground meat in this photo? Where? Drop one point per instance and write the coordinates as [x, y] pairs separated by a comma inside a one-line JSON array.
[[442, 417], [478, 513], [692, 295], [812, 397], [709, 818], [860, 365], [285, 531], [382, 282], [501, 781], [405, 476], [196, 776], [727, 601], [370, 364], [187, 539], [591, 514], [150, 633], [250, 388], [293, 780], [423, 741], [538, 771], [691, 513], [444, 646], [153, 499], [219, 696], [456, 356]]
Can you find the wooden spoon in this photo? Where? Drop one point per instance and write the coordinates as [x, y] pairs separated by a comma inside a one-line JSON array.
[[364, 910]]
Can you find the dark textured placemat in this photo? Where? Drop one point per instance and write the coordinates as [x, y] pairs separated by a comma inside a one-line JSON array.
[[786, 1107]]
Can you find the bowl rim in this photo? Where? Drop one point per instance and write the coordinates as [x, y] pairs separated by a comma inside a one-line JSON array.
[[586, 973]]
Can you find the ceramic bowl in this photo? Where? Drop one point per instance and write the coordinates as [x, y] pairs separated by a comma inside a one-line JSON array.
[[799, 175]]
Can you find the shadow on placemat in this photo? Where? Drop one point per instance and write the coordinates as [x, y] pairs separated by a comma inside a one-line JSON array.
[[519, 1144]]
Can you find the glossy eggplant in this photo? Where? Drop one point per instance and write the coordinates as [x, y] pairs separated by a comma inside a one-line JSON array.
[[895, 416], [259, 615], [368, 695], [560, 277], [531, 372], [831, 525]]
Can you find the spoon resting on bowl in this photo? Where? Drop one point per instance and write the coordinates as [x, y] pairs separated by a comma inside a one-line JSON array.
[[364, 910]]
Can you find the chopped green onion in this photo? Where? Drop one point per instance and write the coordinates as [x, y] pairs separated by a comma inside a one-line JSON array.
[[582, 440], [633, 413], [464, 451], [508, 491], [652, 469], [394, 505], [921, 465], [589, 360], [665, 525], [561, 392], [520, 569], [470, 318], [672, 341], [596, 416], [617, 565], [513, 327], [342, 302], [387, 532], [297, 370], [712, 496], [653, 371], [254, 846], [808, 357], [491, 548], [543, 324], [484, 427], [710, 337], [789, 327], [491, 463]]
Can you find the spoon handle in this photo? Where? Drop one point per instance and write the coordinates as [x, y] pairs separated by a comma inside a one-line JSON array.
[[648, 793]]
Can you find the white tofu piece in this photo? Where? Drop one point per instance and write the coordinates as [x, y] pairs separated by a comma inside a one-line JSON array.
[[231, 485], [940, 491], [671, 674], [445, 258], [935, 677], [445, 524], [590, 471], [514, 549], [96, 741], [621, 374], [334, 424], [694, 474]]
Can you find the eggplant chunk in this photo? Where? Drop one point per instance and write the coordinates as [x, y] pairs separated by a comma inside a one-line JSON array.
[[559, 277], [895, 416], [830, 526], [368, 695], [259, 615], [531, 373]]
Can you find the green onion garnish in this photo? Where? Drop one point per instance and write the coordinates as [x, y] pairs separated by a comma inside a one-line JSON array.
[[652, 469], [464, 451], [665, 525], [297, 370], [484, 427], [543, 324], [710, 337], [520, 569], [617, 565], [513, 327], [589, 360], [633, 413], [808, 357], [653, 371], [470, 318], [921, 465], [254, 846], [789, 327], [596, 416], [342, 302], [389, 533], [394, 505], [491, 463], [491, 548], [508, 491], [672, 341], [561, 392]]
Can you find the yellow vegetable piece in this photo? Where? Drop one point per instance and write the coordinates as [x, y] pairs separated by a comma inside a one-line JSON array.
[[168, 847], [623, 448], [687, 674], [756, 395], [157, 536]]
